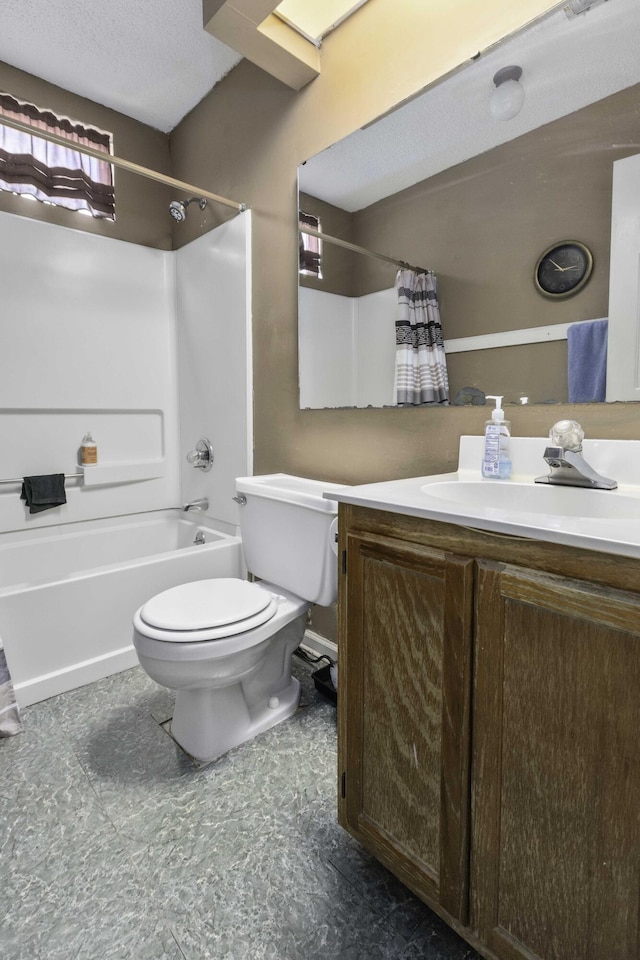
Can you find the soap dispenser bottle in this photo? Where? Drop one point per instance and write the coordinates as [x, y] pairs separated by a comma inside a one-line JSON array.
[[496, 459], [88, 450]]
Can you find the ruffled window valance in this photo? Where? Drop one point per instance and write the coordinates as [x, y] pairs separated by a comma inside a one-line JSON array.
[[51, 172]]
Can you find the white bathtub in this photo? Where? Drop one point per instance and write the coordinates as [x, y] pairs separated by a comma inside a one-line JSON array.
[[69, 592]]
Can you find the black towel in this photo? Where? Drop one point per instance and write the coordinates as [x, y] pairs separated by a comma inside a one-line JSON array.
[[43, 493]]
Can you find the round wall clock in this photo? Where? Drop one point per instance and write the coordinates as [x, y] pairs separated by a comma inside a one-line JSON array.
[[563, 269]]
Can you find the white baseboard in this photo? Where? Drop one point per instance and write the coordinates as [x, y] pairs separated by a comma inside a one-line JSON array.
[[318, 645]]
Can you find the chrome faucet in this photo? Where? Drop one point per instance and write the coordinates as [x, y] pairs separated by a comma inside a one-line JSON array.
[[567, 465], [202, 456], [202, 504]]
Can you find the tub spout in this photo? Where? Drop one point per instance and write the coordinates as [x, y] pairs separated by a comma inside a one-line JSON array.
[[202, 504]]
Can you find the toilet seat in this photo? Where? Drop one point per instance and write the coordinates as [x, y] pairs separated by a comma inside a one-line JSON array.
[[207, 610]]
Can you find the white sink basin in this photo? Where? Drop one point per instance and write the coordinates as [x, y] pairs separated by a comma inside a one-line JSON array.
[[514, 499], [603, 520]]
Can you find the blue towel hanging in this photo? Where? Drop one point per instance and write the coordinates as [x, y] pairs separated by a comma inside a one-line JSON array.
[[587, 361]]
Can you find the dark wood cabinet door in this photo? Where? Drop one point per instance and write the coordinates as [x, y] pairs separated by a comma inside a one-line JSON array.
[[556, 768], [404, 711]]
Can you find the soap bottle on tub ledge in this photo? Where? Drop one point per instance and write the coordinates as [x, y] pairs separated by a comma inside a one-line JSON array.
[[88, 450], [496, 458]]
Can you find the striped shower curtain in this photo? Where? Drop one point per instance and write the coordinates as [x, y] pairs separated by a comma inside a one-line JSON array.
[[9, 714], [421, 365]]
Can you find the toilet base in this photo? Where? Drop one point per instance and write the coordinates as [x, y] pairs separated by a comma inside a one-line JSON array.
[[207, 723], [228, 690]]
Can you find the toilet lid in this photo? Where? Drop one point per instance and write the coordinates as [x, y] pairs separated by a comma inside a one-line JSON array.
[[209, 604]]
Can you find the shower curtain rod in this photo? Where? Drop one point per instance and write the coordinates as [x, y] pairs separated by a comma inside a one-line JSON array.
[[119, 162], [356, 249]]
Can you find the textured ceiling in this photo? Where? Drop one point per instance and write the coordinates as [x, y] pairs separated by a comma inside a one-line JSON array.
[[149, 59], [153, 61], [567, 64]]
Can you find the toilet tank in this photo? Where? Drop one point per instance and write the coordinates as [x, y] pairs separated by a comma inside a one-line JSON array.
[[288, 534]]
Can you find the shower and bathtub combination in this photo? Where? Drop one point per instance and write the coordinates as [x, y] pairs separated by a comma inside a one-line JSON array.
[[122, 572], [149, 349]]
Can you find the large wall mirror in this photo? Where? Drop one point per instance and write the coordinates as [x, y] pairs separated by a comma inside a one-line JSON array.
[[440, 184]]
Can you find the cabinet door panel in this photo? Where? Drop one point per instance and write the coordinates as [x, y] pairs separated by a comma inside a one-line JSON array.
[[407, 703], [402, 706], [556, 788]]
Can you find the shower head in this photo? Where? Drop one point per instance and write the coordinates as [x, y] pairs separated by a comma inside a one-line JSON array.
[[178, 208]]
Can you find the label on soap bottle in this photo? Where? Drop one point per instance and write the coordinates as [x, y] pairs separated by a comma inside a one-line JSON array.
[[88, 454], [496, 462]]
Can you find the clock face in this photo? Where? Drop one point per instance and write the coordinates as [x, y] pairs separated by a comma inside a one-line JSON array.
[[563, 269]]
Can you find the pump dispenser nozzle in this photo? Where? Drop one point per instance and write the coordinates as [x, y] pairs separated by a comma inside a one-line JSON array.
[[498, 413]]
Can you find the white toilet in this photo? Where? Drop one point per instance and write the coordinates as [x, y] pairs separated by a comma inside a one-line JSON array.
[[225, 645]]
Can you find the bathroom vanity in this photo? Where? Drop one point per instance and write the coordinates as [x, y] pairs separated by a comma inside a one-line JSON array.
[[489, 705]]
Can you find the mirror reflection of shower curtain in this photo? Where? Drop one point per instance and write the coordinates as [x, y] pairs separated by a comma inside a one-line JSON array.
[[421, 365]]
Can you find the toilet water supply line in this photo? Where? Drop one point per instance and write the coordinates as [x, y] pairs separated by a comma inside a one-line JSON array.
[[333, 666]]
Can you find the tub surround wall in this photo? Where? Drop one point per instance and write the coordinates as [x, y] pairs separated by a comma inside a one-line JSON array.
[[90, 335], [88, 344], [213, 299], [327, 349], [346, 348]]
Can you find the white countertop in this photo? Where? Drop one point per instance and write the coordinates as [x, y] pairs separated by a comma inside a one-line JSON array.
[[603, 520]]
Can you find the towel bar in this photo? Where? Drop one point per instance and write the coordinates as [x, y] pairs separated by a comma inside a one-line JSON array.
[[67, 476]]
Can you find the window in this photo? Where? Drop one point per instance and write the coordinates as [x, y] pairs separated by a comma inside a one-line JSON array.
[[32, 166], [310, 246]]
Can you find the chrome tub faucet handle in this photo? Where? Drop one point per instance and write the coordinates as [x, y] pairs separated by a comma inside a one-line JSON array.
[[202, 456]]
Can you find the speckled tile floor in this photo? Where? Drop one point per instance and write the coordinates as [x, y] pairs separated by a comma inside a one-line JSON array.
[[113, 846]]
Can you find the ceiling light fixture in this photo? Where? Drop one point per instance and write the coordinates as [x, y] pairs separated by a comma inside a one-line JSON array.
[[576, 7], [508, 96]]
